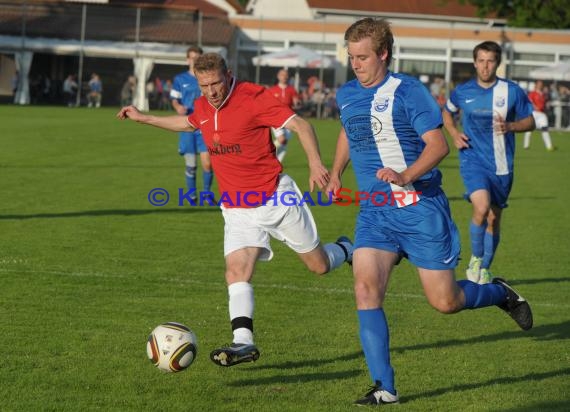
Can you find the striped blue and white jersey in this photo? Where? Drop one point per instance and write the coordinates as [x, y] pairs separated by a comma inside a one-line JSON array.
[[185, 89], [480, 107], [384, 125]]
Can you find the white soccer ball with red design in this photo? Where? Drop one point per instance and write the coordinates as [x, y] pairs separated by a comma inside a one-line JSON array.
[[172, 347]]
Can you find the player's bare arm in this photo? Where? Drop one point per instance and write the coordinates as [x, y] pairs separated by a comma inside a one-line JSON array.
[[459, 139], [172, 123], [318, 172], [178, 107], [340, 162], [435, 150], [522, 125]]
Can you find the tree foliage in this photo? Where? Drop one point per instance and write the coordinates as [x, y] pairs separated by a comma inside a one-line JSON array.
[[546, 14]]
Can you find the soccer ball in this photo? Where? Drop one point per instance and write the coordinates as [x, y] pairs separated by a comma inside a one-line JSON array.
[[172, 347]]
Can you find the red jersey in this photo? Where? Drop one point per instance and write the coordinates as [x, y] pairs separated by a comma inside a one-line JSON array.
[[285, 95], [239, 141], [538, 101]]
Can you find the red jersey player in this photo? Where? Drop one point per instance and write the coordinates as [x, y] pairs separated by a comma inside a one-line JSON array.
[[287, 95], [235, 119], [538, 100]]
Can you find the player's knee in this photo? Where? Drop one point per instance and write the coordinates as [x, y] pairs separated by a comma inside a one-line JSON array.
[[366, 294], [190, 171], [446, 305], [481, 212]]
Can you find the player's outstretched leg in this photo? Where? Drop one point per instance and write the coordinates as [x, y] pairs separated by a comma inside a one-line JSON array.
[[516, 306]]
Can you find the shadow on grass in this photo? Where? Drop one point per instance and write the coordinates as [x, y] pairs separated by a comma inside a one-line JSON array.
[[111, 212], [562, 405], [544, 332], [296, 378], [505, 380], [555, 331], [310, 362], [512, 198], [540, 280]]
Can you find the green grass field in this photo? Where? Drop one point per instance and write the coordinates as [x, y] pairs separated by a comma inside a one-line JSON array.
[[88, 268]]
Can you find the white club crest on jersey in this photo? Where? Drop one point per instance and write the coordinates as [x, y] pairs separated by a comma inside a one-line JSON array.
[[500, 101], [381, 103]]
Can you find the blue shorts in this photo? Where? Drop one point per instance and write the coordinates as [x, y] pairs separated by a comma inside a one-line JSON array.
[[191, 142], [479, 178], [422, 232]]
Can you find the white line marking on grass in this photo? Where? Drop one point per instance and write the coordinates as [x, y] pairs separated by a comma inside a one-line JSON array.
[[274, 286]]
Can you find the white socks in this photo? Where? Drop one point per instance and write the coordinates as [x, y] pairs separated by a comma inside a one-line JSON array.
[[241, 304]]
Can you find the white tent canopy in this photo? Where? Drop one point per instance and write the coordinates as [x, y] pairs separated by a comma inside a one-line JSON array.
[[296, 56], [144, 56], [559, 72]]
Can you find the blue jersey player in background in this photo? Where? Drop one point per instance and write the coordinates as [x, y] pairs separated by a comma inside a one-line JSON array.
[[493, 109], [391, 131], [184, 91]]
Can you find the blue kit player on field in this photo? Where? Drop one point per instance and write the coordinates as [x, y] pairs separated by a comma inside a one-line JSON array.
[[493, 109], [185, 91], [391, 131]]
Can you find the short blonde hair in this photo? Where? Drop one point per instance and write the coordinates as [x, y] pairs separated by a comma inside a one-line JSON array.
[[379, 32], [210, 62]]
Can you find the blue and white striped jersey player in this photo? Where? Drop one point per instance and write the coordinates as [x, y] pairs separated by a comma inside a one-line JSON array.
[[184, 91], [391, 132], [493, 109]]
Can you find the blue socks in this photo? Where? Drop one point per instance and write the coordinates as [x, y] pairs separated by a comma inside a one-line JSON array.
[[480, 296], [207, 179], [477, 234], [190, 177], [374, 337], [491, 241], [483, 243]]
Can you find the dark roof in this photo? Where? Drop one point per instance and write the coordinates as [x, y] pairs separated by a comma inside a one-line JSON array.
[[411, 8], [188, 5], [116, 22]]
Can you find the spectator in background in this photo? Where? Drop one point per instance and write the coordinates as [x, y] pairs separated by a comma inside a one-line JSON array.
[[151, 94], [157, 92], [538, 100], [166, 88], [437, 90], [128, 91], [553, 101], [70, 90], [95, 91], [15, 83], [564, 93], [331, 109], [287, 95], [46, 89]]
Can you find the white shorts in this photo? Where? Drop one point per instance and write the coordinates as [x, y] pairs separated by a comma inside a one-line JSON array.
[[540, 119], [251, 227], [282, 131]]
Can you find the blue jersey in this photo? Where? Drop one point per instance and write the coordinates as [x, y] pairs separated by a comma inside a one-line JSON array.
[[384, 125], [487, 148], [185, 89]]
